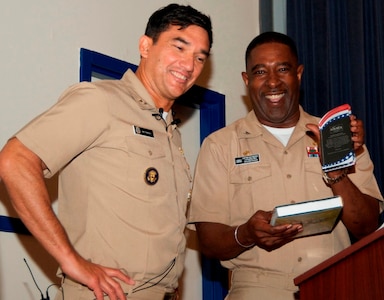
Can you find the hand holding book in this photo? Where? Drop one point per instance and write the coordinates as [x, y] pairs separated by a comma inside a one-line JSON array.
[[316, 216]]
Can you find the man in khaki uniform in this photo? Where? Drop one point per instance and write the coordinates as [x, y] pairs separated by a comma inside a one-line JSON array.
[[124, 182], [247, 168]]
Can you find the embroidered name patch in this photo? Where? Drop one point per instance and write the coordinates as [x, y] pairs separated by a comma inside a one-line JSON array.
[[247, 159], [143, 131]]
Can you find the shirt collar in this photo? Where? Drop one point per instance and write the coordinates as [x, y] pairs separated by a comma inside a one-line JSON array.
[[137, 91], [251, 127]]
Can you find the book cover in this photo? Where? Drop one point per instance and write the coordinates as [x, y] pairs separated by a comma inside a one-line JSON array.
[[317, 216], [335, 139]]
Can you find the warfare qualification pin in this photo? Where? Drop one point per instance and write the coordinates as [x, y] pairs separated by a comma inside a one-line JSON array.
[[151, 176]]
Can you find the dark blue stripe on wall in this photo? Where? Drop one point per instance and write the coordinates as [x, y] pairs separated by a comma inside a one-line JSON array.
[[9, 224]]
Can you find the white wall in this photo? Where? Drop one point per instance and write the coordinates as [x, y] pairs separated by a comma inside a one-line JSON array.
[[39, 58]]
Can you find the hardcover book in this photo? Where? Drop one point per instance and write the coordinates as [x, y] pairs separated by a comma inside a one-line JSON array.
[[317, 216], [335, 139]]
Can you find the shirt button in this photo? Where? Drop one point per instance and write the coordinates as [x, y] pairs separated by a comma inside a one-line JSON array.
[[299, 259], [285, 152], [293, 201], [249, 178], [150, 152], [289, 176]]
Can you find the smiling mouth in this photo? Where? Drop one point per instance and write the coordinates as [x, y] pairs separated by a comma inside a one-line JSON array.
[[179, 76], [275, 98]]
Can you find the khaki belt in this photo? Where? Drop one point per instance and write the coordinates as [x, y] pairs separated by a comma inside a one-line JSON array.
[[268, 278], [169, 294]]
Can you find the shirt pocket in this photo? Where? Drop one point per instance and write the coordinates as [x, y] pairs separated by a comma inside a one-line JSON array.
[[247, 174], [144, 147], [313, 181], [251, 187], [312, 170]]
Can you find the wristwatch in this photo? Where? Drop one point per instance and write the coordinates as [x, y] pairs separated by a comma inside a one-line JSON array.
[[332, 180]]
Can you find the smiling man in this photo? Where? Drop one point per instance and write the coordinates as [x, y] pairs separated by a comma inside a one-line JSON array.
[[263, 161], [124, 183]]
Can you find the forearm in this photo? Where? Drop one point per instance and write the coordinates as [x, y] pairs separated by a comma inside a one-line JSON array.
[[218, 240], [360, 212], [226, 242], [42, 222], [21, 172]]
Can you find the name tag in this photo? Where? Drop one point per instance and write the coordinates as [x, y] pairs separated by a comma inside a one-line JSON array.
[[143, 131], [247, 159]]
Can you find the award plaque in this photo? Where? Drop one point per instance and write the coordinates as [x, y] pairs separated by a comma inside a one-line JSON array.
[[335, 139]]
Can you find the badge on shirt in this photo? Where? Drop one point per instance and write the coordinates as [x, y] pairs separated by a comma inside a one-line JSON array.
[[143, 131], [151, 176], [312, 151], [250, 159]]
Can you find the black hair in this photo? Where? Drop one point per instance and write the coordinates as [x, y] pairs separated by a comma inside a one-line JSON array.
[[271, 37], [179, 15]]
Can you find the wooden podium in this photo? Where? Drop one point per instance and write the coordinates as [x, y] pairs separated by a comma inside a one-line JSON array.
[[356, 273]]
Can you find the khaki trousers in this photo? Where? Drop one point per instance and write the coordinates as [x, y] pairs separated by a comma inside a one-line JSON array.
[[264, 285], [71, 290]]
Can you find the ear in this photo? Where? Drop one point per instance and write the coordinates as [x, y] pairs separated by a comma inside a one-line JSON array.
[[145, 43], [300, 70], [245, 77]]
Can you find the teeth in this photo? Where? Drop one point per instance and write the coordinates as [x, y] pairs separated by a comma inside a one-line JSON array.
[[274, 97], [180, 76]]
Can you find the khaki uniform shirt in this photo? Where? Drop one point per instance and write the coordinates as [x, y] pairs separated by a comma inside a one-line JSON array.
[[273, 175], [105, 141]]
